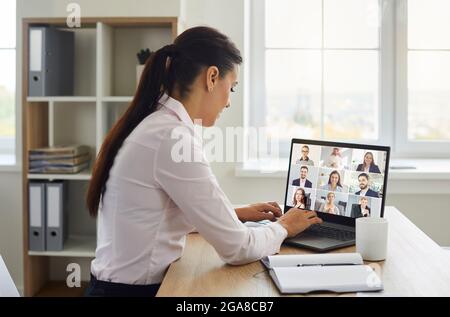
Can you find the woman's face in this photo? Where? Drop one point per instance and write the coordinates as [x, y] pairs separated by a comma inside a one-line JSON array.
[[298, 196], [331, 198], [334, 178], [218, 94], [368, 159]]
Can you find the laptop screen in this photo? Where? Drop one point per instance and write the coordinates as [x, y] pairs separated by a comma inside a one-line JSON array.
[[338, 180]]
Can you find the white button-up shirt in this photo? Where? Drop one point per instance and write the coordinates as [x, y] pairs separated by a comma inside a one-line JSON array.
[[302, 182], [152, 201]]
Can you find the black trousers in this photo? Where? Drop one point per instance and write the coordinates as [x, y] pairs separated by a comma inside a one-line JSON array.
[[98, 288]]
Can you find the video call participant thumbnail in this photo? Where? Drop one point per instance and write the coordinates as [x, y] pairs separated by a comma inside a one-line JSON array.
[[334, 182], [363, 180], [362, 209], [302, 181], [329, 206], [369, 165], [304, 158], [335, 159], [299, 200]]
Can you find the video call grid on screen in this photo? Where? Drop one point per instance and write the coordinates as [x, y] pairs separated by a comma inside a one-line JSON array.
[[340, 180]]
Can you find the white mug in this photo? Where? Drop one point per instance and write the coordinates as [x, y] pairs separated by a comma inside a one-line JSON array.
[[371, 238]]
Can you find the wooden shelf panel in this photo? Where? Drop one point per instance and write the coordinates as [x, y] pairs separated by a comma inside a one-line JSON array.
[[75, 246], [60, 289]]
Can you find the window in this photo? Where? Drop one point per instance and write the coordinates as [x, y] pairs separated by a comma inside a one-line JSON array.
[[428, 70], [321, 69], [374, 71], [7, 82]]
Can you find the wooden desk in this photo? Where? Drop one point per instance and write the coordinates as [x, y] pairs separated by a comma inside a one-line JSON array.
[[415, 266]]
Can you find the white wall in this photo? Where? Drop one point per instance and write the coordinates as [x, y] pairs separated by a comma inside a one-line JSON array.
[[11, 224], [228, 16]]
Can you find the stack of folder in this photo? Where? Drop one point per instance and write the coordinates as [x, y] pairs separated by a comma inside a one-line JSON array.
[[59, 159]]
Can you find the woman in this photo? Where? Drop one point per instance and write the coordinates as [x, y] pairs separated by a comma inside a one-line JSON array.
[[299, 200], [148, 195], [369, 165], [329, 206], [334, 182]]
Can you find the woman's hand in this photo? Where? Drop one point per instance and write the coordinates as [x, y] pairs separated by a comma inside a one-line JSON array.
[[259, 211], [298, 220], [331, 210]]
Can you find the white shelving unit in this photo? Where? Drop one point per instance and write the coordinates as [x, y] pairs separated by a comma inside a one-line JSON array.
[[104, 85]]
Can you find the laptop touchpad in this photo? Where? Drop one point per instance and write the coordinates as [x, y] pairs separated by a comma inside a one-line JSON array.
[[314, 241]]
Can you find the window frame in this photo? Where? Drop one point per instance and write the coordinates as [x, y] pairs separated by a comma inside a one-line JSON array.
[[405, 146], [392, 99]]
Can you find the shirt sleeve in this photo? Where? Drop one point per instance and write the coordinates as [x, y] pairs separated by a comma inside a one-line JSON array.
[[185, 175]]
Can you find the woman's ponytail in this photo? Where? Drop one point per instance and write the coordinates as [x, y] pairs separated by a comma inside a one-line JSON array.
[[150, 90], [173, 65]]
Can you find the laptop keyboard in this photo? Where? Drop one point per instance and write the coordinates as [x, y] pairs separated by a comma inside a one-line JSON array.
[[332, 233]]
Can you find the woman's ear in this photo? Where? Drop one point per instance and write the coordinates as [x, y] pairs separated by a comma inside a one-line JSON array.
[[212, 76]]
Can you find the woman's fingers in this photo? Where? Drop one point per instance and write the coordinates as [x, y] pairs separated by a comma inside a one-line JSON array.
[[277, 212], [275, 204], [268, 216], [310, 213], [314, 220]]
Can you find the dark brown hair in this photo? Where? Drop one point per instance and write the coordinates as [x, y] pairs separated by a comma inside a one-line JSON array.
[[364, 160], [363, 175], [303, 200], [339, 178], [174, 66]]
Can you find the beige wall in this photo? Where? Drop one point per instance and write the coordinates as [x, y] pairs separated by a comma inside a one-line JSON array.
[[429, 212]]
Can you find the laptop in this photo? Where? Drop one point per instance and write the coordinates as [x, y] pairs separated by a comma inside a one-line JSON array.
[[341, 182]]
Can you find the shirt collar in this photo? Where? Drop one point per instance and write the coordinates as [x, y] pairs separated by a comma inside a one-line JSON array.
[[176, 107]]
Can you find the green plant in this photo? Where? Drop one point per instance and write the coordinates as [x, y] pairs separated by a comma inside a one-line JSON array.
[[143, 55]]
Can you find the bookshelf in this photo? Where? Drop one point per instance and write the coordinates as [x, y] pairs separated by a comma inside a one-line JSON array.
[[104, 84]]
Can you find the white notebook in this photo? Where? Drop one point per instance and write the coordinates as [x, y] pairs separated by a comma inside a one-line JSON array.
[[336, 272]]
